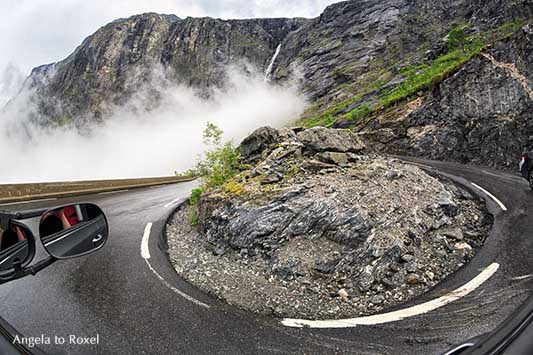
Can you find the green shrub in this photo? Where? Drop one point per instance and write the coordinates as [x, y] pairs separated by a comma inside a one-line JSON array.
[[194, 218], [457, 38], [221, 161], [293, 170], [219, 164], [195, 196]]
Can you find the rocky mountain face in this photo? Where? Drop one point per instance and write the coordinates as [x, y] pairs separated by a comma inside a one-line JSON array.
[[480, 115], [354, 41], [446, 80], [113, 63]]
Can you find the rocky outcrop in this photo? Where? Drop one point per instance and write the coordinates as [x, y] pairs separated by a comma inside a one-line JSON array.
[[256, 143], [480, 115], [320, 139], [311, 230]]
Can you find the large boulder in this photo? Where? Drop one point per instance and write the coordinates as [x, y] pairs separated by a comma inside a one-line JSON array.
[[320, 139], [296, 213], [255, 144]]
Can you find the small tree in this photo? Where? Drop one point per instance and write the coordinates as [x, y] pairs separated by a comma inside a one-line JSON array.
[[221, 161]]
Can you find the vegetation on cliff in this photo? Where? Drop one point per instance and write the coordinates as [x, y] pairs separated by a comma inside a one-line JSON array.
[[460, 48]]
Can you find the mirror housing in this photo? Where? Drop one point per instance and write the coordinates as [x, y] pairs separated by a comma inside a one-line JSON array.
[[73, 230], [17, 247]]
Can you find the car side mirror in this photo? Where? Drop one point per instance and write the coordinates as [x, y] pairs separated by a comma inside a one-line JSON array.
[[17, 247], [73, 230]]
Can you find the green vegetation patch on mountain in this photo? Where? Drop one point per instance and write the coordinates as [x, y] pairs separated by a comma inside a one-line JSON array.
[[411, 80]]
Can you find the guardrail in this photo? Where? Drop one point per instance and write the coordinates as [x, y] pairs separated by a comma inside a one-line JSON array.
[[23, 192]]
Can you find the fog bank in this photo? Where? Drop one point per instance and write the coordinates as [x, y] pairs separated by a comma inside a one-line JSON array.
[[134, 142]]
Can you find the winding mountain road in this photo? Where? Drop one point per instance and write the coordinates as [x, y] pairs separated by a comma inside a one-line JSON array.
[[129, 294]]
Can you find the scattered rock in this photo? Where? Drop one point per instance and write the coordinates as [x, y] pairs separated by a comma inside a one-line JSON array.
[[219, 250], [412, 279], [316, 165], [366, 279], [453, 233], [333, 158], [407, 257], [392, 175], [411, 266], [343, 294], [271, 179], [252, 147], [326, 267], [462, 246], [377, 299], [448, 206]]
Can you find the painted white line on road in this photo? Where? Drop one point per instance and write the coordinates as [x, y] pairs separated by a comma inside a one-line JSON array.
[[182, 294], [112, 192], [172, 202], [25, 202], [518, 278], [402, 313], [513, 179], [145, 252], [502, 206]]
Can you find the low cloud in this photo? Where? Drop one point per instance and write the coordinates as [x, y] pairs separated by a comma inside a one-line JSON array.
[[135, 142]]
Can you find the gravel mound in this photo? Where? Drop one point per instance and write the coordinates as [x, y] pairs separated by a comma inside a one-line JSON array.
[[321, 233]]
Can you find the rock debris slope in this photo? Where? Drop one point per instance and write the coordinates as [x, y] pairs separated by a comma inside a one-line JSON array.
[[317, 229]]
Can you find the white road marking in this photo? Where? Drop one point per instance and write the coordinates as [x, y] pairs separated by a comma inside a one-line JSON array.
[[502, 206], [172, 202], [112, 192], [25, 202], [145, 253], [402, 313], [182, 294], [518, 278], [513, 179]]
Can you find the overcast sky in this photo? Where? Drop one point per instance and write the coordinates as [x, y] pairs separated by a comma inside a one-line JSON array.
[[35, 32]]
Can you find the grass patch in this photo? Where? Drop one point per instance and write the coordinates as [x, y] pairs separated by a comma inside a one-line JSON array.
[[429, 76], [234, 188], [361, 112]]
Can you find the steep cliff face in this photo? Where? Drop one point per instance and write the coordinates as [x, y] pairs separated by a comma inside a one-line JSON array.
[[113, 63], [448, 80], [353, 42], [480, 115]]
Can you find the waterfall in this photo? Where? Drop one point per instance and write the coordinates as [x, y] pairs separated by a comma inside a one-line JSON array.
[[271, 65]]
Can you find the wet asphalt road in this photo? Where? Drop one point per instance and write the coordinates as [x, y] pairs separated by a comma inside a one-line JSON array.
[[113, 293]]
